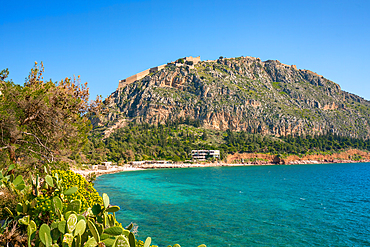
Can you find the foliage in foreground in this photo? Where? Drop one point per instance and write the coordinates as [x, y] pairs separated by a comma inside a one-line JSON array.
[[42, 121], [62, 209]]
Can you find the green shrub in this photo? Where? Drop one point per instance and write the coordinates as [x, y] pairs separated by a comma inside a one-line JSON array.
[[63, 210], [86, 192]]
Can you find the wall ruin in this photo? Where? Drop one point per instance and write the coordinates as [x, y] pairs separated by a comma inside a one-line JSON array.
[[123, 83]]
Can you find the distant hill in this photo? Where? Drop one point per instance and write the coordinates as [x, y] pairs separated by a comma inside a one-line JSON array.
[[243, 93]]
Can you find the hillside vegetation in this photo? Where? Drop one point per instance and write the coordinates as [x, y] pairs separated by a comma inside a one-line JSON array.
[[175, 140]]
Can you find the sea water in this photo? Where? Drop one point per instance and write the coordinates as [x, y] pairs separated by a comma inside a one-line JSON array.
[[298, 205]]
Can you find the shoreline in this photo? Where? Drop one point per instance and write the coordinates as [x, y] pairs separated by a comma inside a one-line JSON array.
[[126, 168]]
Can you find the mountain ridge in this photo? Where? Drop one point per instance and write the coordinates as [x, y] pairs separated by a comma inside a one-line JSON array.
[[243, 93]]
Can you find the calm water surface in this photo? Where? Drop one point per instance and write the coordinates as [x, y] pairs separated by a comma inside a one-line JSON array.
[[300, 205]]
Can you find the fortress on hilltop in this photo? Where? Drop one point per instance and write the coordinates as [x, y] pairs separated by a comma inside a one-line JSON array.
[[123, 83]]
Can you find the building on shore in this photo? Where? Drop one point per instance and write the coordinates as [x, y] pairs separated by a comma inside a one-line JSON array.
[[103, 166], [202, 155]]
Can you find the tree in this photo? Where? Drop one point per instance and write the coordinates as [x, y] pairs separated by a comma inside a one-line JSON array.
[[43, 121], [204, 136]]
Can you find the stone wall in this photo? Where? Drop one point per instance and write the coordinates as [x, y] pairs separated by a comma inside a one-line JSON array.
[[139, 76], [195, 60], [123, 83]]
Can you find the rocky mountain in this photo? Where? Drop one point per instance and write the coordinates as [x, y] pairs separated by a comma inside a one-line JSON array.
[[242, 93]]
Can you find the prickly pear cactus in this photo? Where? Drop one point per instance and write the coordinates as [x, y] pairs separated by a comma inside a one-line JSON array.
[[71, 223]]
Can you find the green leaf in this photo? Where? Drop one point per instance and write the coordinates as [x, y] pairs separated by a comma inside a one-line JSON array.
[[55, 234], [25, 207], [19, 208], [111, 220], [115, 230], [11, 167], [105, 236], [54, 225], [112, 209], [44, 235], [91, 242], [131, 239], [109, 242], [105, 200], [148, 241], [130, 227], [25, 220], [100, 228], [121, 241], [57, 203], [80, 227], [78, 240], [70, 191], [31, 228], [18, 180], [62, 226], [49, 180], [9, 211], [20, 186], [68, 213], [126, 232], [74, 205], [96, 209], [81, 217], [93, 230]]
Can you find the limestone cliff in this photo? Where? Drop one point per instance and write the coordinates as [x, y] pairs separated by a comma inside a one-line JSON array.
[[241, 93]]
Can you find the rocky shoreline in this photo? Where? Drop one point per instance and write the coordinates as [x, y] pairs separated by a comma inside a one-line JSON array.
[[118, 169]]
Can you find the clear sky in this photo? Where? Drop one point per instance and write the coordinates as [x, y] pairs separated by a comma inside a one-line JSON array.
[[105, 41]]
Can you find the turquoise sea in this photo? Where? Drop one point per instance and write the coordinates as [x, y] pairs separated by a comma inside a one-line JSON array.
[[299, 205]]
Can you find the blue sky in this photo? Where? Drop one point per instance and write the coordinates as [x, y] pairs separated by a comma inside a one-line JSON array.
[[105, 41]]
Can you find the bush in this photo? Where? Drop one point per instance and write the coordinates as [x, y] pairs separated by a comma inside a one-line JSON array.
[[86, 192], [181, 60], [63, 210]]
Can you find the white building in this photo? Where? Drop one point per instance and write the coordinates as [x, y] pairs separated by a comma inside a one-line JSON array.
[[205, 154]]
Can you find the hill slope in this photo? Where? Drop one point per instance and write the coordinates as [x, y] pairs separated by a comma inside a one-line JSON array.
[[243, 93]]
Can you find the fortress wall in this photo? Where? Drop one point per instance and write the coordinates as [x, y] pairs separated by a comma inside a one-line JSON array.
[[194, 59], [161, 67], [131, 79], [142, 74], [139, 76], [158, 68]]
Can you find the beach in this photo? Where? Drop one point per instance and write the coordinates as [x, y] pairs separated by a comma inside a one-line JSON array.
[[124, 168]]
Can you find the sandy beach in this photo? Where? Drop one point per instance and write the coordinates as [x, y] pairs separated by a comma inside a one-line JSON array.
[[116, 169]]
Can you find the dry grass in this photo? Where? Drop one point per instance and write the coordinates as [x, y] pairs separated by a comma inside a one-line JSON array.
[[13, 235]]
